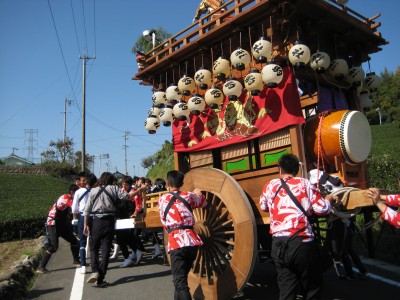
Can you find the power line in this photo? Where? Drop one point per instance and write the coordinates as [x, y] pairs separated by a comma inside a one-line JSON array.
[[94, 26], [84, 26], [76, 32], [59, 44]]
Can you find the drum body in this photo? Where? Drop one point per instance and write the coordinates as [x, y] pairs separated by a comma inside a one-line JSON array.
[[342, 133]]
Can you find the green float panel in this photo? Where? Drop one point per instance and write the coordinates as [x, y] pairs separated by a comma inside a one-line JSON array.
[[271, 158]]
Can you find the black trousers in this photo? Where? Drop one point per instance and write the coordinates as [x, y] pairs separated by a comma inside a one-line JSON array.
[[125, 238], [102, 235], [299, 270], [181, 261], [54, 233]]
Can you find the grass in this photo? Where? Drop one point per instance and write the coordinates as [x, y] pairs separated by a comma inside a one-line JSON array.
[[15, 250]]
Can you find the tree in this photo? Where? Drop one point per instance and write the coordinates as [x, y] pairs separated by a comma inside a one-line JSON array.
[[147, 162], [61, 151], [89, 160], [387, 97], [145, 46]]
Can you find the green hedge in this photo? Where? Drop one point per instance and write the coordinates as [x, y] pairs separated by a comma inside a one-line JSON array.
[[25, 201], [384, 160]]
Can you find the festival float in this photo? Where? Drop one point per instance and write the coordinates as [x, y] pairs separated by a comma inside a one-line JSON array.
[[248, 81]]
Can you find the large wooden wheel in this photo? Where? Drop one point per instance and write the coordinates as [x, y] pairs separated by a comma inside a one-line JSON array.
[[228, 229]]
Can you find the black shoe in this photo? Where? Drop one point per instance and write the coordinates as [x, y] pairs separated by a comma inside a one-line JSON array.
[[104, 283]]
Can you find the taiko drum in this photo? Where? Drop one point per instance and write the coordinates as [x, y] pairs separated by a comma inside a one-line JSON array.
[[342, 133]]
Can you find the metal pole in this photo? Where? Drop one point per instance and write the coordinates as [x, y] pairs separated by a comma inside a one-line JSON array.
[[65, 125], [83, 115], [85, 58]]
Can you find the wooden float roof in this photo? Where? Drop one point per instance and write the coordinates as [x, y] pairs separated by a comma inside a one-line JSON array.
[[320, 24]]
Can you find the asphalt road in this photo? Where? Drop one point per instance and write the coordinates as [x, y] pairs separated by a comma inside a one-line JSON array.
[[153, 280]]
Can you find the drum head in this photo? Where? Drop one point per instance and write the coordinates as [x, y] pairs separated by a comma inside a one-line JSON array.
[[355, 137]]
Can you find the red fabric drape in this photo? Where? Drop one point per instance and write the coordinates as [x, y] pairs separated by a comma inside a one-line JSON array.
[[248, 118]]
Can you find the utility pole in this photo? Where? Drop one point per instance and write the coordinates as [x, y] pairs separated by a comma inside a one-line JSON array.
[[127, 133], [66, 101], [85, 59]]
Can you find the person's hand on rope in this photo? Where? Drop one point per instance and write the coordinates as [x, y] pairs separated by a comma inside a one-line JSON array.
[[333, 199], [375, 195]]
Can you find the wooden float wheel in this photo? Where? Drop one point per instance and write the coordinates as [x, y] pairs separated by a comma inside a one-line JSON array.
[[228, 230]]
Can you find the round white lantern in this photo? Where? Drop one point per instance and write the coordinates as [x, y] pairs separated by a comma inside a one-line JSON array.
[[272, 75], [262, 50], [181, 110], [365, 100], [166, 115], [338, 68], [154, 111], [173, 94], [152, 123], [232, 88], [186, 85], [203, 78], [372, 82], [355, 75], [221, 68], [196, 104], [240, 59], [214, 97], [320, 62], [253, 82], [159, 99], [299, 55]]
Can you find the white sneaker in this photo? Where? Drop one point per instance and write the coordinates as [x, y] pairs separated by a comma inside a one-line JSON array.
[[126, 263], [83, 270], [157, 251], [115, 254], [132, 256], [139, 255]]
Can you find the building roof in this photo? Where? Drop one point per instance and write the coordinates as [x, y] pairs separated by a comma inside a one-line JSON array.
[[15, 160]]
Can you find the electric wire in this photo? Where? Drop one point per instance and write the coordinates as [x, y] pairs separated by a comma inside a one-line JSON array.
[[59, 44], [76, 32], [94, 27], [84, 26]]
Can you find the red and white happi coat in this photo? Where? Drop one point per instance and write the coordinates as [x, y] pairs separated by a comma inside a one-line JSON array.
[[180, 215], [286, 217], [390, 215], [63, 203]]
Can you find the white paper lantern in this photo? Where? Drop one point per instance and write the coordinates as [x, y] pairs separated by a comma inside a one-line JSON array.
[[299, 55], [253, 82], [221, 68], [159, 99], [154, 111], [320, 62], [214, 97], [181, 110], [262, 50], [338, 68], [272, 75], [186, 85], [196, 104], [151, 124], [173, 94], [240, 59], [355, 75], [166, 115], [365, 100], [232, 88], [203, 78], [372, 82]]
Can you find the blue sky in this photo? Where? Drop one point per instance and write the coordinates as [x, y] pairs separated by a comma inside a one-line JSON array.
[[34, 81]]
